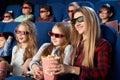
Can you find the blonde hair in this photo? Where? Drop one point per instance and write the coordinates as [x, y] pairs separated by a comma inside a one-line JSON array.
[[32, 43], [64, 28], [92, 33]]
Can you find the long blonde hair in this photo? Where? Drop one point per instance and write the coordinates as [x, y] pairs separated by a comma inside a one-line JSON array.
[[32, 43], [64, 28], [92, 33]]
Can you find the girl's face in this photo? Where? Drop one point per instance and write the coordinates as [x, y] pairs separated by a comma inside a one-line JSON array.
[[26, 9], [57, 37], [104, 14], [70, 10], [22, 34], [44, 13], [7, 16], [79, 24], [2, 42]]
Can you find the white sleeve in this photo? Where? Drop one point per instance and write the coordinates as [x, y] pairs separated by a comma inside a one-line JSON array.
[[35, 59], [68, 52], [13, 54]]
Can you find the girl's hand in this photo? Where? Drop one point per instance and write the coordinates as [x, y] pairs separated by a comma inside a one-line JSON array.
[[25, 66], [37, 72]]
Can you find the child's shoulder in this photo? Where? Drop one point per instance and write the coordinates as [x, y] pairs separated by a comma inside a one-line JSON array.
[[69, 46], [15, 47]]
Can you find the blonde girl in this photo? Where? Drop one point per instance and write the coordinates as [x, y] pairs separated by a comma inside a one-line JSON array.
[[60, 46], [25, 48]]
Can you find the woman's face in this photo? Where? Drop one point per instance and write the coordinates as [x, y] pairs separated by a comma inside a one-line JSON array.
[[79, 24], [22, 34], [57, 37], [26, 9], [70, 10], [2, 42]]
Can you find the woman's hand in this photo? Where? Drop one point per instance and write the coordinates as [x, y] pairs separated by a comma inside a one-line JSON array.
[[37, 72], [59, 69], [63, 69]]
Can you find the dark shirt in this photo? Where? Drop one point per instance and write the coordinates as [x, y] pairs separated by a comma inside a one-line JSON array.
[[49, 19], [102, 62]]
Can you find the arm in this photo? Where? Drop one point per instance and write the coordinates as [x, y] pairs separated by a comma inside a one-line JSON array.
[[34, 64], [12, 59], [7, 46], [68, 52], [30, 17], [35, 59]]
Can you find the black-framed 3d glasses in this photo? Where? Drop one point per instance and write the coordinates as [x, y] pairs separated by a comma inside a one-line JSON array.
[[79, 19]]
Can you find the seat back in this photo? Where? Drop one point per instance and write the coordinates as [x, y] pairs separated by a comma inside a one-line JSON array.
[[1, 26], [10, 26], [42, 31], [109, 34], [16, 10], [116, 63], [58, 10]]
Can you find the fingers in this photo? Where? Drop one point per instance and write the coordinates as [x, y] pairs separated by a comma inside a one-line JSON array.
[[38, 74], [56, 69]]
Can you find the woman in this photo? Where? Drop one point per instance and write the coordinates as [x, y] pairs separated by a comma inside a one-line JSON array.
[[92, 53]]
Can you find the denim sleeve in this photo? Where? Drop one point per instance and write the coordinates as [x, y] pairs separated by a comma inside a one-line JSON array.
[[7, 47]]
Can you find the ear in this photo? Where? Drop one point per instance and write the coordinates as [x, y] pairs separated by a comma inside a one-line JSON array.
[[31, 11], [48, 13], [110, 14]]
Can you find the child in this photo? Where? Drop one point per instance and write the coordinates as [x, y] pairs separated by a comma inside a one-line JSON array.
[[6, 39], [106, 13], [25, 48], [60, 46], [45, 14], [8, 17], [26, 10]]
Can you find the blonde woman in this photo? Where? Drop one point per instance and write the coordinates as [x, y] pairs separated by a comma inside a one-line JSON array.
[[25, 48], [92, 55]]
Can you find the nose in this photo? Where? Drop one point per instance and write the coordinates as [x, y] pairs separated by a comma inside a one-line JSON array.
[[78, 23]]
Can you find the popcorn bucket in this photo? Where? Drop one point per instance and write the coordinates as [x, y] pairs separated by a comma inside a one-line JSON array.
[[46, 62]]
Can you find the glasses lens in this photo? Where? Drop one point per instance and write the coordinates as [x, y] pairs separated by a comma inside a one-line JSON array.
[[70, 11], [42, 11], [25, 7], [21, 32], [6, 16], [55, 35], [79, 19], [104, 12], [1, 34]]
